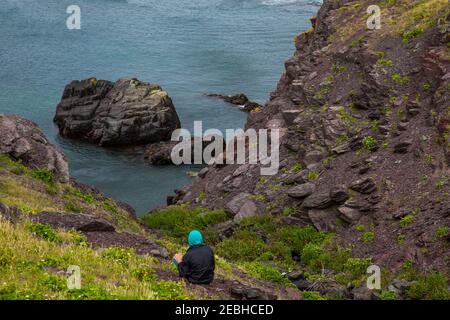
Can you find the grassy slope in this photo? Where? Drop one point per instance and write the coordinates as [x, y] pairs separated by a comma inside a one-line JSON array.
[[34, 257]]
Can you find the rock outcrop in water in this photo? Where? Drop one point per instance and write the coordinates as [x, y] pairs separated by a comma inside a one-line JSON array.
[[240, 100], [23, 140], [127, 112], [366, 116]]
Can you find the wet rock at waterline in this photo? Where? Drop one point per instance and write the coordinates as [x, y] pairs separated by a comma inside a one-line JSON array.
[[127, 112], [238, 100]]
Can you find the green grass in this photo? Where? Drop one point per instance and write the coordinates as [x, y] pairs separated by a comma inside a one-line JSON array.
[[28, 251], [430, 287], [397, 78], [442, 232], [406, 220], [313, 176], [368, 237], [178, 221], [369, 143], [414, 32]]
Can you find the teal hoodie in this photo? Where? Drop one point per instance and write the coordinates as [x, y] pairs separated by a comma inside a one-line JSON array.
[[195, 238]]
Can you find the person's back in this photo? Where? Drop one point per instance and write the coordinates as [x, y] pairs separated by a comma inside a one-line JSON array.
[[198, 264]]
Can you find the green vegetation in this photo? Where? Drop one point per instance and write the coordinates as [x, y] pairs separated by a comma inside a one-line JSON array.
[[426, 87], [312, 295], [414, 32], [369, 143], [202, 196], [431, 287], [383, 61], [28, 251], [313, 175], [341, 139], [442, 232], [298, 167], [44, 231], [368, 236], [338, 69], [396, 77], [177, 221], [406, 220]]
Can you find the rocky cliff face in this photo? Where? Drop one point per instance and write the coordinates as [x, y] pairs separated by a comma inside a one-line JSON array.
[[23, 140], [121, 113], [365, 119]]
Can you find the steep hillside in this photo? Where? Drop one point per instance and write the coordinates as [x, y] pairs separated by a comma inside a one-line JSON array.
[[47, 226], [365, 119]]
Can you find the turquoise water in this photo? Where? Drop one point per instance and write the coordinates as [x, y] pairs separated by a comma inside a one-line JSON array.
[[188, 47]]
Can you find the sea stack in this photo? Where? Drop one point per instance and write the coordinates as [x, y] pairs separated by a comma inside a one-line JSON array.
[[127, 112]]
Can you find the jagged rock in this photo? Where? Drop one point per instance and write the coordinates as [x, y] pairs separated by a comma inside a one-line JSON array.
[[159, 153], [400, 287], [247, 210], [202, 173], [300, 177], [401, 213], [127, 208], [342, 148], [339, 195], [303, 284], [318, 200], [11, 214], [239, 100], [23, 140], [363, 293], [75, 221], [313, 157], [246, 293], [289, 116], [235, 204], [302, 190], [402, 147], [225, 229], [122, 113], [364, 186], [349, 214], [295, 275], [323, 219]]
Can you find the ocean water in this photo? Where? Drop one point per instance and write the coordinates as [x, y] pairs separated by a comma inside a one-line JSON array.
[[189, 47]]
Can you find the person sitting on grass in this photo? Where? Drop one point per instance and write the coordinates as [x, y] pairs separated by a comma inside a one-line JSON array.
[[197, 265]]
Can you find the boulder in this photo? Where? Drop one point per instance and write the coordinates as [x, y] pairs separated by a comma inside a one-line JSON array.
[[75, 221], [302, 190], [364, 186], [318, 200], [11, 214], [247, 210], [246, 293], [339, 194], [23, 140], [235, 204], [349, 214], [323, 219], [121, 113], [403, 146], [159, 153], [238, 100]]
